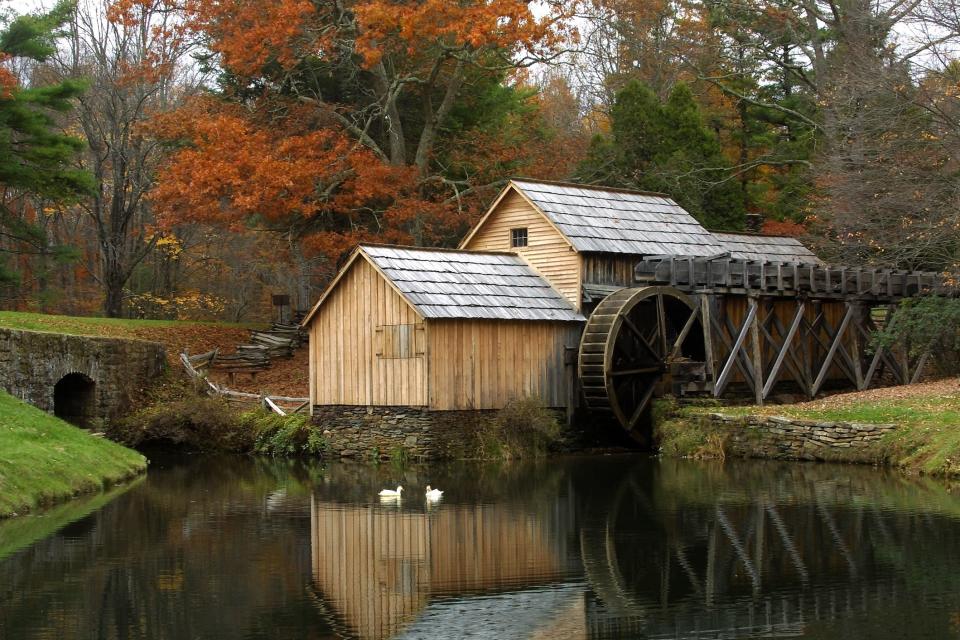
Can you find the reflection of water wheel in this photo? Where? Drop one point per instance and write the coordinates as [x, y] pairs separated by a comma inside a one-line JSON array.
[[629, 344]]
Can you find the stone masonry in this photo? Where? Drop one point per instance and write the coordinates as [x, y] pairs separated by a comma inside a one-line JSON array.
[[794, 439], [414, 432], [32, 363], [379, 432]]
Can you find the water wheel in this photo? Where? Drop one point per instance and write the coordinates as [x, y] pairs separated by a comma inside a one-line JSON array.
[[630, 346]]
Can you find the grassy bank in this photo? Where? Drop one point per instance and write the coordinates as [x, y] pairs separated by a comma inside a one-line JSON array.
[[175, 335], [927, 415], [44, 460]]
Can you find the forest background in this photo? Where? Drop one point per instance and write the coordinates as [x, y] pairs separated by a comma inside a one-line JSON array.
[[191, 158]]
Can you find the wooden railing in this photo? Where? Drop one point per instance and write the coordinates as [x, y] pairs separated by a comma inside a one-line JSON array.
[[197, 368]]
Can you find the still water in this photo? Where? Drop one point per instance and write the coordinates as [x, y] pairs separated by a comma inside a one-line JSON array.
[[599, 547]]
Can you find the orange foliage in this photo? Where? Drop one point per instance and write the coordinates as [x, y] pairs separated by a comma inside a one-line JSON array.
[[8, 81], [507, 25], [250, 33], [318, 184]]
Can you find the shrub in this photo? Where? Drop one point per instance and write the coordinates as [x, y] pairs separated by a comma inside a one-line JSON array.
[[278, 435], [685, 434], [199, 423], [926, 324], [523, 427]]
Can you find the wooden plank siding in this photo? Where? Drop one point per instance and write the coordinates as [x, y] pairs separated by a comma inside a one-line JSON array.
[[547, 251], [379, 568], [346, 367], [483, 364], [609, 269]]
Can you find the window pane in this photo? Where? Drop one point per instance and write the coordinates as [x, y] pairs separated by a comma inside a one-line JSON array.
[[518, 237]]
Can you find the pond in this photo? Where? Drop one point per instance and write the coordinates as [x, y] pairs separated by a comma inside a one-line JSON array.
[[584, 547]]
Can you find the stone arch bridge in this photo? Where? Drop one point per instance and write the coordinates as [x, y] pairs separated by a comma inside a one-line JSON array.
[[78, 378]]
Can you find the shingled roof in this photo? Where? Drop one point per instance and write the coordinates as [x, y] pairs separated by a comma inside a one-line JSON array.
[[750, 246], [441, 283], [606, 220]]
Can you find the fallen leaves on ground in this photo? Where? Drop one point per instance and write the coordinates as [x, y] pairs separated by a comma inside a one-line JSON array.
[[934, 390]]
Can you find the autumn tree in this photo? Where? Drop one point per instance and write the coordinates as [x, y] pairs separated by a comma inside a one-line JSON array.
[[346, 114]]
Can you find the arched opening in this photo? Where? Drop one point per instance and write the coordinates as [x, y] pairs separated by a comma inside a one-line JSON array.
[[74, 399]]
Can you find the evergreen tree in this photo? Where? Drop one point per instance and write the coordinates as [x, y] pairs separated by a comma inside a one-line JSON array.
[[35, 158], [667, 147]]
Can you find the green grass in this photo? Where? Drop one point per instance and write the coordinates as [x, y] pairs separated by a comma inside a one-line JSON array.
[[94, 326], [927, 440], [45, 460]]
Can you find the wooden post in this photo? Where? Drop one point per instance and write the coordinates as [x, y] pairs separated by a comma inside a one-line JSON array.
[[856, 353], [706, 318], [757, 352]]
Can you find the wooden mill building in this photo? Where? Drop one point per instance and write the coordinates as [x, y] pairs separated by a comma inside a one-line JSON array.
[[600, 297], [440, 329]]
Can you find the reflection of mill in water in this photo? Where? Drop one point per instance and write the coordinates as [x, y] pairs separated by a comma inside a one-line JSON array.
[[651, 564], [381, 568]]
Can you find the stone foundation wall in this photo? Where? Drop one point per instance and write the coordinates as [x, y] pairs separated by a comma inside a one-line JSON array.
[[414, 432], [32, 362], [794, 439]]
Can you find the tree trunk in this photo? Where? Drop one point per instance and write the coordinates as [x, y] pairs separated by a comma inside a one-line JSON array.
[[113, 302]]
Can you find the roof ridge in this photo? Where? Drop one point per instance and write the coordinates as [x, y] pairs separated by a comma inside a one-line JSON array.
[[410, 247], [756, 234], [595, 187]]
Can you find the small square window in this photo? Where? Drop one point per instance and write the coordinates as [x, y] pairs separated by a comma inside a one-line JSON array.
[[518, 237], [400, 340]]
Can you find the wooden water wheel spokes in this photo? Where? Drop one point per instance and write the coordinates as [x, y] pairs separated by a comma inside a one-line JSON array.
[[627, 346]]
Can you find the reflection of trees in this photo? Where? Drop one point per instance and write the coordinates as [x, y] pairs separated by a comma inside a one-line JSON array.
[[188, 554], [678, 548], [613, 545]]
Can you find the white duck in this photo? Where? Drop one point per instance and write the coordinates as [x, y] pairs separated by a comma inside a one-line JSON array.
[[433, 494], [391, 493]]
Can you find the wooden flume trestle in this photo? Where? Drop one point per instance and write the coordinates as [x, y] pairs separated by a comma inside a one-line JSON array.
[[742, 327]]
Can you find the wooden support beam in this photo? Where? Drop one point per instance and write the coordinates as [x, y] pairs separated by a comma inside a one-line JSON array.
[[724, 377], [834, 345], [706, 314], [856, 353], [880, 356], [678, 343], [844, 363], [722, 331], [757, 353], [662, 322], [743, 358], [793, 361], [784, 349]]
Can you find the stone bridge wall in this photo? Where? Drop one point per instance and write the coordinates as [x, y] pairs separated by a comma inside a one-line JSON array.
[[31, 364]]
